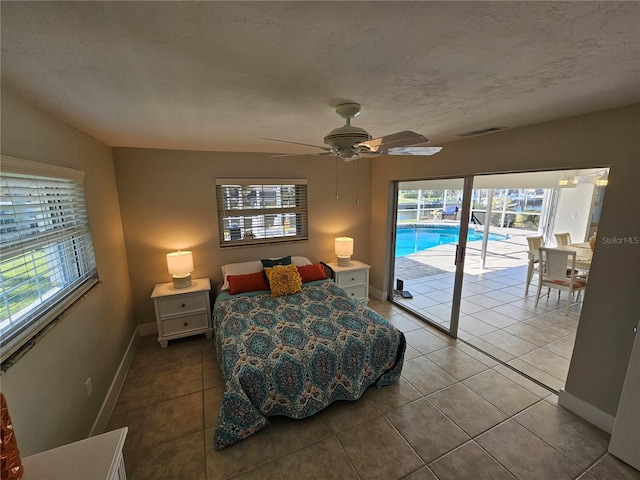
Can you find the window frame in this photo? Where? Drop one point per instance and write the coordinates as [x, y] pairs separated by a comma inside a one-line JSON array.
[[57, 231], [271, 203]]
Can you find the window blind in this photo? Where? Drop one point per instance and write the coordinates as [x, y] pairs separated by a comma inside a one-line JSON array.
[[252, 211], [46, 252]]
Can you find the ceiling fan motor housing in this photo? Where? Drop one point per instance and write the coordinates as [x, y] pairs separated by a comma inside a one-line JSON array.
[[346, 137]]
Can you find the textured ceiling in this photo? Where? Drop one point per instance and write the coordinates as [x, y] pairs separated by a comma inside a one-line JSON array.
[[221, 75]]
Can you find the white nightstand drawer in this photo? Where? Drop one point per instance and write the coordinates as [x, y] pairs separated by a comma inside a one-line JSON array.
[[182, 304], [185, 324], [358, 291], [182, 312], [357, 277]]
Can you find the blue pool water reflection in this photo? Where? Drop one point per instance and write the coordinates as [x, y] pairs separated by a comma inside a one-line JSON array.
[[413, 240]]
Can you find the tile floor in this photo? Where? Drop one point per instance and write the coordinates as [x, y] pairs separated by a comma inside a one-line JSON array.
[[455, 414], [495, 314]]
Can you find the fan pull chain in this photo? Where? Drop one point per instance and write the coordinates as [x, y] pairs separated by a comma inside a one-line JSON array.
[[336, 176], [358, 181]]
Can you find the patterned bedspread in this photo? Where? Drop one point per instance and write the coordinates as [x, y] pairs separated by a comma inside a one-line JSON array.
[[294, 355]]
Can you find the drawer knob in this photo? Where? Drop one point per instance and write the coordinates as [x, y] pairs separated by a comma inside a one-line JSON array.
[[185, 324], [183, 305], [353, 279]]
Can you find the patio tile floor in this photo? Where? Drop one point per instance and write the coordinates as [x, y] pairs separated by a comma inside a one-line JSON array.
[[495, 314]]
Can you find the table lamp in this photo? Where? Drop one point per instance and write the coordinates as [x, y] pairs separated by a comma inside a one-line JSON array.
[[344, 250], [180, 266]]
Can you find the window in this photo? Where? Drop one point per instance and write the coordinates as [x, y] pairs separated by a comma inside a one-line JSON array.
[[46, 254], [261, 210]]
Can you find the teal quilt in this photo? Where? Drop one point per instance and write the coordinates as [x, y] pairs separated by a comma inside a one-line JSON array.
[[296, 354]]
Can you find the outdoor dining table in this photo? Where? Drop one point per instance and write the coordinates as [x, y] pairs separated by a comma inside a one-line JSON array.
[[583, 254]]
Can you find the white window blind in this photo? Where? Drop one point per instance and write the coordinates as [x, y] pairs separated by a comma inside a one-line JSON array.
[[254, 211], [46, 253]]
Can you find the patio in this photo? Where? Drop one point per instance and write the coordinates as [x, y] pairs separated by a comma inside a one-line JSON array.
[[495, 315]]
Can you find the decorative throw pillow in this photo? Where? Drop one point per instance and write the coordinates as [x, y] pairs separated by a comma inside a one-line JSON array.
[[310, 273], [247, 283], [241, 268], [270, 262], [284, 279]]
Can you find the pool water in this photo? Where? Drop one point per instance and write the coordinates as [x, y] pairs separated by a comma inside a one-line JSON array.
[[413, 240]]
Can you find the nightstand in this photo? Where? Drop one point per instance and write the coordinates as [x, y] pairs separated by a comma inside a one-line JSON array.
[[98, 457], [354, 279], [182, 312]]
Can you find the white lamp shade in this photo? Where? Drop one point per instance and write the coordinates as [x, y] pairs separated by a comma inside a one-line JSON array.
[[180, 262], [344, 246]]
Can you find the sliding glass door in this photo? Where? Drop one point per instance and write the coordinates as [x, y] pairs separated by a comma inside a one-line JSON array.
[[432, 219]]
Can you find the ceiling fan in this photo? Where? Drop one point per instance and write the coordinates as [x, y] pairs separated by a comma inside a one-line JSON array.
[[350, 142]]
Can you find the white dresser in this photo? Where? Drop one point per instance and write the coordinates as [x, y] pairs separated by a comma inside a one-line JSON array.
[[95, 458], [184, 311], [354, 279]]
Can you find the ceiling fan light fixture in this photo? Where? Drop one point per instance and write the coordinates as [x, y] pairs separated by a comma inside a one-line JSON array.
[[348, 154], [350, 142]]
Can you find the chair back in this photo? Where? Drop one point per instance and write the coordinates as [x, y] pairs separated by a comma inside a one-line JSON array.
[[534, 245], [558, 264], [563, 239], [450, 210]]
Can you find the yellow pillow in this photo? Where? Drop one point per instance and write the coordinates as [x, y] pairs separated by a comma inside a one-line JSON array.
[[284, 279]]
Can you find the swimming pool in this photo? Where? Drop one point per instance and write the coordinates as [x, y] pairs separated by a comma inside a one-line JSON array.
[[414, 239]]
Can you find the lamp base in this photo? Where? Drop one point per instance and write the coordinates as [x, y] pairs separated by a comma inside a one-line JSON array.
[[182, 281], [344, 261]]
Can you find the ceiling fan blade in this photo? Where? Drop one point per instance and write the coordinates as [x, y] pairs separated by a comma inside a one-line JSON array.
[[326, 149], [413, 150], [399, 139]]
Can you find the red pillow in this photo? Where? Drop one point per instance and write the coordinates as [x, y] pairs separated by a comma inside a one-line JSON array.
[[310, 273], [247, 283]]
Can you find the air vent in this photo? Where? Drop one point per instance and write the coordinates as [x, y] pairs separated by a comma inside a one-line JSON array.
[[481, 132]]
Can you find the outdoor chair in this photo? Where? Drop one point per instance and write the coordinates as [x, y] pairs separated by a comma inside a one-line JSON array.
[[534, 258], [558, 270], [563, 239], [450, 211]]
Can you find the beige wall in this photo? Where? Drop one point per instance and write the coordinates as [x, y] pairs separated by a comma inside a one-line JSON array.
[[45, 389], [611, 308], [168, 202]]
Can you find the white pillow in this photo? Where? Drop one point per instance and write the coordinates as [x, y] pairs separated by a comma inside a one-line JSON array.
[[300, 261], [239, 269]]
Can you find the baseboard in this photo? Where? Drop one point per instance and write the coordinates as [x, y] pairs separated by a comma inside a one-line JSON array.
[[145, 329], [375, 293], [109, 403], [585, 410]]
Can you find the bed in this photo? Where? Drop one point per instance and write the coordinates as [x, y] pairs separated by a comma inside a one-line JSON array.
[[295, 354]]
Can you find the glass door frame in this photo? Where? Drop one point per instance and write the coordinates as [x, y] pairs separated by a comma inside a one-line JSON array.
[[465, 215]]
